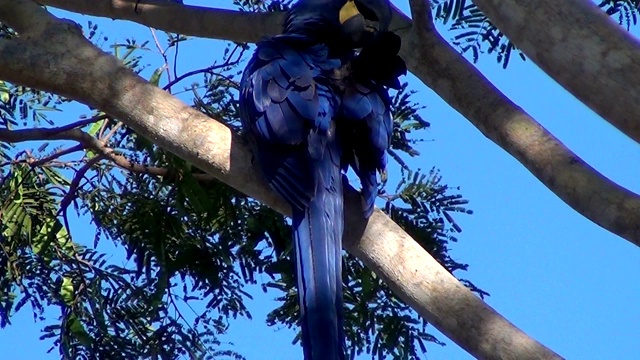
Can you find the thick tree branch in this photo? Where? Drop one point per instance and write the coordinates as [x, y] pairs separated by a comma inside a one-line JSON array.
[[463, 87], [452, 77], [22, 20], [193, 20], [80, 71], [580, 47]]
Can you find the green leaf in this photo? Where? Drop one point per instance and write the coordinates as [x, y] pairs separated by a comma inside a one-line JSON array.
[[78, 330], [41, 241], [155, 77], [4, 92], [63, 238], [14, 225], [194, 191], [55, 177], [50, 230], [27, 226], [95, 127], [67, 291], [93, 130]]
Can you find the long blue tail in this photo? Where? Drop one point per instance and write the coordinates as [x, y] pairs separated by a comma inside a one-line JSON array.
[[318, 244]]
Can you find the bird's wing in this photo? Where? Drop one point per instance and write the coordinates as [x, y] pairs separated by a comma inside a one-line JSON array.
[[366, 111], [366, 128], [287, 108]]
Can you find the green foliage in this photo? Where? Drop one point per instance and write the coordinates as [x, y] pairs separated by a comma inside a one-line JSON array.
[[174, 249]]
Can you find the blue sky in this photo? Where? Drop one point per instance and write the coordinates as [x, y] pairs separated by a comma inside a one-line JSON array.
[[563, 280]]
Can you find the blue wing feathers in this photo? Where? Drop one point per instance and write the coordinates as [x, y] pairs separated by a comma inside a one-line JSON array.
[[304, 131], [368, 128]]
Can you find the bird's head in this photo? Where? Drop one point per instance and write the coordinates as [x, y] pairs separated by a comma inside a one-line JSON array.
[[358, 21], [362, 20]]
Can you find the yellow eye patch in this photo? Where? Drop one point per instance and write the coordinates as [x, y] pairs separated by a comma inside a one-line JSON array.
[[348, 11]]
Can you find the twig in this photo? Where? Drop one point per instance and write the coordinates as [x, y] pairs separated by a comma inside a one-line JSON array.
[[162, 52], [421, 15], [67, 132], [175, 57], [190, 73], [82, 123], [103, 127], [86, 141], [56, 155], [113, 130], [73, 187], [227, 63]]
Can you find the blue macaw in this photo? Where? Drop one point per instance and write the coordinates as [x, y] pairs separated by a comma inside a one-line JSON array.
[[312, 105]]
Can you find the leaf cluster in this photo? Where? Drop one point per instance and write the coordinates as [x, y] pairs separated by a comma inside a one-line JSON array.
[[626, 11]]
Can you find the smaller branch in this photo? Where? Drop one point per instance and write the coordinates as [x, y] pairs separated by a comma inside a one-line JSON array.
[[192, 20], [125, 164], [188, 74], [103, 127], [175, 57], [74, 186], [56, 155], [67, 132], [180, 316], [158, 46], [83, 123], [112, 132], [162, 52], [421, 15], [59, 133], [229, 62], [86, 142], [95, 179]]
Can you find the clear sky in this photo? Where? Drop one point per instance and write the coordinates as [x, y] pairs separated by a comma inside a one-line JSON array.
[[563, 280]]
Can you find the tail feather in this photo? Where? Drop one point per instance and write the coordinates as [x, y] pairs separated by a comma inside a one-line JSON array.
[[318, 243]]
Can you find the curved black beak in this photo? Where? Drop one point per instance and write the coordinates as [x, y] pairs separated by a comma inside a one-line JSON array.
[[355, 25]]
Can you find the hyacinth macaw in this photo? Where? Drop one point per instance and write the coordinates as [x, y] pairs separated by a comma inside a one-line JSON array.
[[313, 101]]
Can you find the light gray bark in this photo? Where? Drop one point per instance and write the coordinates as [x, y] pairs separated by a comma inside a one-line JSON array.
[[581, 48]]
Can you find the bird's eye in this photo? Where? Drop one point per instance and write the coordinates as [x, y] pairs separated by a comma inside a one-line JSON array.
[[366, 12]]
